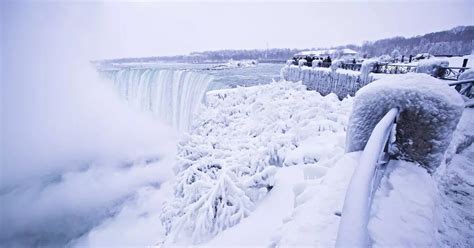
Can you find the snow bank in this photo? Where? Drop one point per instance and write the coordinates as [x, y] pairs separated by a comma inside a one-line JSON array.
[[403, 210], [429, 113], [228, 161], [456, 218], [318, 204], [433, 67], [456, 182], [325, 81]]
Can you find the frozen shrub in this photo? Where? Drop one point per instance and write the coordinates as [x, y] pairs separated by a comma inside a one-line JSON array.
[[433, 67], [226, 164], [396, 54], [302, 62], [368, 66], [337, 63], [429, 112], [317, 63]]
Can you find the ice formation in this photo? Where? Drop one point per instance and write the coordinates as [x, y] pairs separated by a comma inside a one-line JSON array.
[[429, 113], [227, 162], [325, 81], [173, 95]]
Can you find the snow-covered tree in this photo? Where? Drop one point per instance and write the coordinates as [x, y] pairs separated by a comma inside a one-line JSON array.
[[396, 54]]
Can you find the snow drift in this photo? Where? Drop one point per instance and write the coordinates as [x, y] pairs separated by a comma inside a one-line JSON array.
[[429, 112], [325, 80]]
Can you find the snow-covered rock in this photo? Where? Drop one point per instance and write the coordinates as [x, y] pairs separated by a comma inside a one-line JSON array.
[[429, 113], [226, 164], [325, 81]]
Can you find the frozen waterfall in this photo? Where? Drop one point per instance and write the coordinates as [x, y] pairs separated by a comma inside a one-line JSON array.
[[173, 95]]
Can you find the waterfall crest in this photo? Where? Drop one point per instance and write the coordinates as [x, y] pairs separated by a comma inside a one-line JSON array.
[[173, 95]]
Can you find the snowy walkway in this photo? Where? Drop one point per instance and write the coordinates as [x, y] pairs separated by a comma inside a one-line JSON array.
[[301, 209]]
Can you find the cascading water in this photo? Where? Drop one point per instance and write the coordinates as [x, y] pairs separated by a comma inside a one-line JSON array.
[[173, 95]]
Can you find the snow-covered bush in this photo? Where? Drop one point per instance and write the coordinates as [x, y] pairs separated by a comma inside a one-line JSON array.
[[337, 63], [325, 81], [302, 62], [433, 67], [289, 62], [367, 67], [226, 163], [396, 54], [316, 63], [385, 58], [429, 113]]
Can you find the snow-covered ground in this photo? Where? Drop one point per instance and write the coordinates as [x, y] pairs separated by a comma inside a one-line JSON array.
[[279, 149]]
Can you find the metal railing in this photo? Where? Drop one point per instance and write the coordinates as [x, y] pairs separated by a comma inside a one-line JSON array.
[[452, 73], [387, 68], [446, 73], [464, 87], [364, 182]]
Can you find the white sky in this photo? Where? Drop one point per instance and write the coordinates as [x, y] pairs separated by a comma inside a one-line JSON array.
[[131, 29]]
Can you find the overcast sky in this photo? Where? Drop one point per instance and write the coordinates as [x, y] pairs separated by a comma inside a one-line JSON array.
[[127, 29]]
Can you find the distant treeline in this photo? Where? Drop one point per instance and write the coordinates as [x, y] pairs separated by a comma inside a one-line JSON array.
[[457, 41]]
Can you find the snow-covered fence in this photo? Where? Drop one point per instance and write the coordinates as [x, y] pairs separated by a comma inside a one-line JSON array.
[[355, 215], [326, 81], [429, 113]]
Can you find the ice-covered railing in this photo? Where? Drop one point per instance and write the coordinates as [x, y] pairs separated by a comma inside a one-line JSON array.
[[353, 225], [464, 87], [325, 80], [427, 112]]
